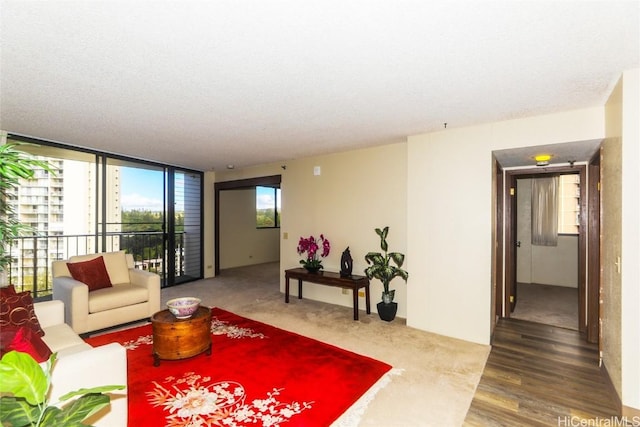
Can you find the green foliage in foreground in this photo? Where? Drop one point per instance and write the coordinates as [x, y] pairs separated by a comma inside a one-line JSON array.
[[23, 395], [15, 165]]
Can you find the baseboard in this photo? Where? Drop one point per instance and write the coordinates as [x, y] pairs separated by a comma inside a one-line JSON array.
[[630, 413], [625, 411], [612, 388]]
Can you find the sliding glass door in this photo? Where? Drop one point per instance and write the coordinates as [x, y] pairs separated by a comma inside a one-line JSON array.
[[187, 224], [97, 202]]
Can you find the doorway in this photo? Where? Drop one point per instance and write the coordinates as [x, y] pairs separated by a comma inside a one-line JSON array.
[[547, 271], [513, 245], [256, 232], [505, 259]]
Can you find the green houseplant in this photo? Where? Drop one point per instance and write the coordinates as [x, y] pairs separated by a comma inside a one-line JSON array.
[[381, 267], [23, 395], [14, 165]]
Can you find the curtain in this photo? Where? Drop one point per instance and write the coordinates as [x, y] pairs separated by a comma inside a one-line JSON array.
[[544, 211]]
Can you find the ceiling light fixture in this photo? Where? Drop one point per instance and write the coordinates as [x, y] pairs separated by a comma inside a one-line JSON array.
[[542, 159], [230, 167]]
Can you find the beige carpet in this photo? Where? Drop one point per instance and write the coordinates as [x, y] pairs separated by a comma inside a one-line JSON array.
[[436, 376], [550, 305]]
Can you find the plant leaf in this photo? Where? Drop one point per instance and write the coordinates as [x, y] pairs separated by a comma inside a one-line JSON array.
[[397, 257], [23, 377], [76, 411], [14, 165], [17, 412], [383, 238], [374, 258], [92, 390], [50, 417]]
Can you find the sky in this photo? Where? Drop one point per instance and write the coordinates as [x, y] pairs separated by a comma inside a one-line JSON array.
[[264, 198], [142, 189]]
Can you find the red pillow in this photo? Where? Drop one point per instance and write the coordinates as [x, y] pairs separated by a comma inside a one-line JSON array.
[[17, 310], [23, 339], [92, 273], [7, 290]]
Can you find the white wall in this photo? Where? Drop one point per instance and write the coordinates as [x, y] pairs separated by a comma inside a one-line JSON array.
[[631, 240], [556, 265], [449, 215], [241, 243], [356, 192], [438, 201]]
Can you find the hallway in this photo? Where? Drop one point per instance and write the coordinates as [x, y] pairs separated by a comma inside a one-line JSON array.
[[540, 375], [551, 305]]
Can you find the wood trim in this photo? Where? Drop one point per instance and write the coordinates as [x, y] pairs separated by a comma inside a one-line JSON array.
[[265, 181], [556, 170], [630, 413], [593, 256], [216, 230], [582, 253], [499, 244], [510, 248], [511, 177], [612, 389]]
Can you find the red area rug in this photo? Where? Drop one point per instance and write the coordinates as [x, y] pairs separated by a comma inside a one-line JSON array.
[[257, 375]]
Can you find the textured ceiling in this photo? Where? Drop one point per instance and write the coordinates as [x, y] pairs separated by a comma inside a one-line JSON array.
[[206, 84]]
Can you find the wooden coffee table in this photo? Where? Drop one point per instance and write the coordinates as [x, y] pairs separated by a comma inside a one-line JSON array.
[[181, 338]]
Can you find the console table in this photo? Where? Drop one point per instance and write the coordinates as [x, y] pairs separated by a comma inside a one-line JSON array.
[[329, 278]]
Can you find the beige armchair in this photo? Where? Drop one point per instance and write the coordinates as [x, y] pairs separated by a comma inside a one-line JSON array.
[[134, 294]]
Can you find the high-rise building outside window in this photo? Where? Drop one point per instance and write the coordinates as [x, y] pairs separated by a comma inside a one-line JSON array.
[[569, 204]]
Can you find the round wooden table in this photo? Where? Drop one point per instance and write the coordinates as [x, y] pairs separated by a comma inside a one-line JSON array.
[[180, 338]]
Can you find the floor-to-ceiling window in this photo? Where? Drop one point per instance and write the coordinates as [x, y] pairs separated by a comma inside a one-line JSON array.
[[97, 202], [186, 237]]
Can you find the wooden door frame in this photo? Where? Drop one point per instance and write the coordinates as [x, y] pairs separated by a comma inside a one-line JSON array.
[[509, 235], [593, 249], [510, 215], [498, 264]]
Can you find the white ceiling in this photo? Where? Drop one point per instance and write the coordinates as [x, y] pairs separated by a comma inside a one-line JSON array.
[[203, 84]]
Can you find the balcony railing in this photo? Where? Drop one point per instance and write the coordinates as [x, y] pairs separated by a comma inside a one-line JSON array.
[[30, 268]]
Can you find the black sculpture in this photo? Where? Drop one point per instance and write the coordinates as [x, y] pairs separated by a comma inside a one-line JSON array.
[[346, 263]]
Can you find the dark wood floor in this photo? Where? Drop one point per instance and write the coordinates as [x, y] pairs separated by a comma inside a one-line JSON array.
[[540, 375]]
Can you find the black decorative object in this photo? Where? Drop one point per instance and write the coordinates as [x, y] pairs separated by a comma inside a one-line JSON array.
[[346, 263], [387, 312]]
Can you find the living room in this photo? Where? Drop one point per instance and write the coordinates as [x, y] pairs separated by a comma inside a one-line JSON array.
[[433, 186]]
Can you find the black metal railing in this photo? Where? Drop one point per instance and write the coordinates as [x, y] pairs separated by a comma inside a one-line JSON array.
[[30, 268]]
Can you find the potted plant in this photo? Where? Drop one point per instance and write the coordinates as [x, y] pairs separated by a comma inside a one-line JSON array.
[[310, 246], [14, 165], [381, 268], [24, 390]]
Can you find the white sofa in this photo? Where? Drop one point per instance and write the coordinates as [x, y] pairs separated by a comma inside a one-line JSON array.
[[135, 294], [81, 366]]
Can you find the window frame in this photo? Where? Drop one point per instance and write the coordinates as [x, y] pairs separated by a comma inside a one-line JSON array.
[[276, 207]]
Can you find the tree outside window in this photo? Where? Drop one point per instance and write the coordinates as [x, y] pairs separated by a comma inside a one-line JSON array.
[[267, 207]]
